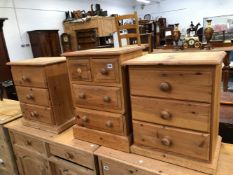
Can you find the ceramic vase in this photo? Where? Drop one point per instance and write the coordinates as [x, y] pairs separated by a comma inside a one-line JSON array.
[[208, 32], [176, 35]]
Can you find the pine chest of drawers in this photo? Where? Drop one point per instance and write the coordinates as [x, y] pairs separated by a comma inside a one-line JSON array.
[[100, 95], [43, 90], [175, 103]]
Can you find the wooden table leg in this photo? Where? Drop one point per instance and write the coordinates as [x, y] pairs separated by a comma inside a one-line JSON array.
[[226, 71]]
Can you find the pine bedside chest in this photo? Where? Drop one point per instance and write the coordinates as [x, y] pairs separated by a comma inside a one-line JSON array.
[[175, 105], [100, 95], [43, 89]]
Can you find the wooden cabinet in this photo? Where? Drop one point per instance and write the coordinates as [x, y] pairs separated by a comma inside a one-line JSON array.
[[45, 43], [180, 94], [100, 96], [44, 93]]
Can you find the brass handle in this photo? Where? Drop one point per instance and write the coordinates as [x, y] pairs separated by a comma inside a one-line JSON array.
[[24, 78], [29, 96], [104, 71], [69, 155], [165, 115], [84, 119], [165, 87], [109, 124], [166, 142], [34, 114], [28, 142], [106, 99], [82, 95]]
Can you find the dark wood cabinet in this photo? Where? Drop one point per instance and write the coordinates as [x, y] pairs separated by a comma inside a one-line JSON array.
[[45, 43], [5, 73]]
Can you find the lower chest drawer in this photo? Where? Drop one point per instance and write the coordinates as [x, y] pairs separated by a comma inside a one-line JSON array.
[[35, 96], [37, 113], [98, 97], [77, 156], [103, 121], [188, 143]]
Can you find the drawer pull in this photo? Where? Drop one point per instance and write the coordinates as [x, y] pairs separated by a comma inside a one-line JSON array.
[[107, 99], [24, 78], [104, 71], [1, 162], [109, 124], [79, 71], [29, 143], [165, 87], [166, 142], [69, 155], [84, 119], [34, 114], [82, 95], [29, 96], [165, 115]]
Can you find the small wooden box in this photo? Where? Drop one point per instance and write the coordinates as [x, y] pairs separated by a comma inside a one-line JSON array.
[[44, 93], [100, 95]]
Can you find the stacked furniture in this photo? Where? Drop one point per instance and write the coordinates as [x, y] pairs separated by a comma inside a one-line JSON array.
[[100, 95], [44, 93], [9, 111], [178, 121]]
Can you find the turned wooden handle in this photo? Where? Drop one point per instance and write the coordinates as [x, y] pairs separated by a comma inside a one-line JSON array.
[[28, 142], [82, 95], [165, 115], [104, 71], [34, 114], [69, 155], [29, 96], [109, 124], [106, 99], [165, 87], [84, 119], [24, 78], [166, 141]]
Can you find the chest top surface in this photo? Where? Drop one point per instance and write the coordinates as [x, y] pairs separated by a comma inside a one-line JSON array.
[[41, 61], [104, 51], [187, 58]]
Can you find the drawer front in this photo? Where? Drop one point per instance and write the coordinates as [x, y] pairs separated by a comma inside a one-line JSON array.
[[103, 121], [105, 70], [185, 84], [37, 113], [79, 70], [97, 97], [62, 167], [27, 142], [188, 143], [76, 156], [29, 76], [189, 115], [34, 96]]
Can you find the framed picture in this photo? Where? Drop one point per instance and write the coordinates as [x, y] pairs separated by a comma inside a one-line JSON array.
[[223, 27]]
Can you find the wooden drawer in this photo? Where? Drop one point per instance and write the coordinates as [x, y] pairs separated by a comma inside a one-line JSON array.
[[37, 113], [172, 113], [29, 76], [79, 70], [188, 143], [103, 121], [34, 96], [97, 97], [62, 167], [105, 70], [27, 142], [74, 155], [187, 83]]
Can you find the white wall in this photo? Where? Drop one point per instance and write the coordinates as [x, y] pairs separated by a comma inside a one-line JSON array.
[[44, 14], [185, 11]]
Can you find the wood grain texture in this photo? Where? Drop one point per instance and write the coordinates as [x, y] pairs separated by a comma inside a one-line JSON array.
[[179, 113], [184, 58], [102, 138], [147, 81]]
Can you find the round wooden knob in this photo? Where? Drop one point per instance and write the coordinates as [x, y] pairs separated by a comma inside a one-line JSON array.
[[109, 124], [79, 71], [165, 87], [165, 115], [166, 141], [84, 119], [69, 155], [24, 78], [29, 96], [82, 95], [28, 142], [104, 71], [107, 99]]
